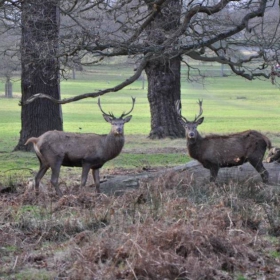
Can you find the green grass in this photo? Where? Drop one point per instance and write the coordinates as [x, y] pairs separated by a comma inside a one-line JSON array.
[[39, 274], [148, 160], [230, 104], [275, 254]]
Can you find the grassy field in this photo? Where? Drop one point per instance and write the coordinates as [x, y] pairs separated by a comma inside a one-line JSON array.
[[231, 104]]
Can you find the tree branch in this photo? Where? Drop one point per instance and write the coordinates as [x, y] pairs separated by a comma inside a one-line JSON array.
[[120, 86]]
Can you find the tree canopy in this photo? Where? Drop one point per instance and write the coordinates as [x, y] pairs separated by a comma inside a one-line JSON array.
[[240, 34]]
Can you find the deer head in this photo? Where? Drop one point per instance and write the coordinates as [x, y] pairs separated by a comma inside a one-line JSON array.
[[117, 123], [190, 126]]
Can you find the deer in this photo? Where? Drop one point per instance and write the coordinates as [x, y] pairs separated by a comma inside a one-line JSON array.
[[87, 150], [273, 155], [217, 151]]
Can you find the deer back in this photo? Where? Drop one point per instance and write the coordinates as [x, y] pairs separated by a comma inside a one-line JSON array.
[[222, 150], [230, 150], [74, 149]]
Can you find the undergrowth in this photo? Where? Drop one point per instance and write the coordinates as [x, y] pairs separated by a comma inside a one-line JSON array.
[[169, 228]]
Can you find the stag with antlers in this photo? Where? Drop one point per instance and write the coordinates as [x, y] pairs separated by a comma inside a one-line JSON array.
[[216, 151], [89, 151]]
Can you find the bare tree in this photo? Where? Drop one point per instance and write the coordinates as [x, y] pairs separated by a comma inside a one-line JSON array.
[[163, 74], [40, 68], [7, 67], [159, 36], [10, 62]]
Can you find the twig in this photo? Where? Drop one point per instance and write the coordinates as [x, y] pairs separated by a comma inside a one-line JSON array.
[[14, 266], [17, 169], [255, 238], [131, 269], [230, 221]]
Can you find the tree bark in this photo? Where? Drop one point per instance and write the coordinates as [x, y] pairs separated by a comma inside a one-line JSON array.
[[40, 69], [163, 91], [163, 75]]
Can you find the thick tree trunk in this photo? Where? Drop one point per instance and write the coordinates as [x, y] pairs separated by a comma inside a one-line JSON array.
[[163, 73], [164, 88], [40, 69]]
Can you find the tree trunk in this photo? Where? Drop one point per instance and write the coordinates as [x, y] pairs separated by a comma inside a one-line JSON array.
[[163, 73], [8, 88], [40, 69], [163, 91], [73, 73]]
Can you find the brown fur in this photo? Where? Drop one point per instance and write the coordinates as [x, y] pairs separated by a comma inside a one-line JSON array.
[[216, 151], [89, 151], [34, 140]]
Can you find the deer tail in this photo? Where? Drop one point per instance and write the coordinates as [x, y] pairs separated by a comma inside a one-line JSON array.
[[31, 140], [34, 140]]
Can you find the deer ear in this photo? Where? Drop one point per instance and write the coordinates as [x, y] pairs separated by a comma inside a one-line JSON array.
[[200, 121], [127, 119], [107, 118]]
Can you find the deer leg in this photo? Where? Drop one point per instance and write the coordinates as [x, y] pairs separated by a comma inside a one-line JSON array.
[[54, 178], [95, 174], [85, 171], [42, 171], [213, 173], [260, 168], [265, 175]]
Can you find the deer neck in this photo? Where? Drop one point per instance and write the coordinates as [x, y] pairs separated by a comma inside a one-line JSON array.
[[193, 145], [114, 144]]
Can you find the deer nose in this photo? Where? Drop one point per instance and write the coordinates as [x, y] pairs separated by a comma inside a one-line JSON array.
[[191, 134], [119, 130]]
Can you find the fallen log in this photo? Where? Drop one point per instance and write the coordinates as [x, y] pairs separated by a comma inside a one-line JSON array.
[[117, 184], [199, 174]]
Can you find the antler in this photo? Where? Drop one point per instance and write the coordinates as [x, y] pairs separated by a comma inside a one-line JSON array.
[[200, 110], [125, 114], [109, 114], [178, 110]]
